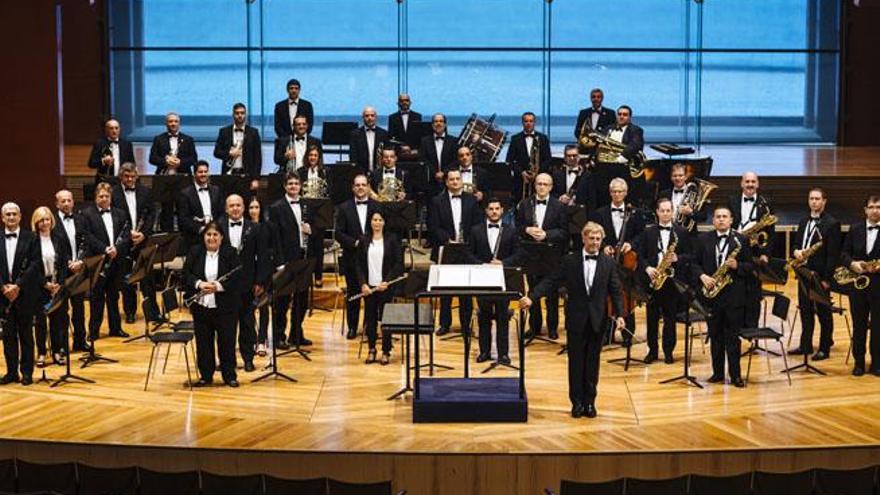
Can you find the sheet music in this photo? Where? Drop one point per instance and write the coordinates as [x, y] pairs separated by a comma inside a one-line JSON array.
[[465, 276]]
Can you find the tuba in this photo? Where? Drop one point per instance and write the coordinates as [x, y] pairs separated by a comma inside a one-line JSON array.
[[609, 150], [697, 194], [586, 143]]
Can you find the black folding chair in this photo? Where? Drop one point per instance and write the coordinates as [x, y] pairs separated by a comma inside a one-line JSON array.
[[755, 335]]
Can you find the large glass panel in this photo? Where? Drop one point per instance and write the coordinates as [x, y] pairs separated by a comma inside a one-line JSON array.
[[469, 23], [620, 23], [332, 23], [173, 23]]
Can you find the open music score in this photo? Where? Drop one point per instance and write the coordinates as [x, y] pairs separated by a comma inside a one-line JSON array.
[[482, 277]]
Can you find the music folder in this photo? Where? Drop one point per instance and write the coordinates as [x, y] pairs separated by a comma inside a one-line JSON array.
[[466, 277]]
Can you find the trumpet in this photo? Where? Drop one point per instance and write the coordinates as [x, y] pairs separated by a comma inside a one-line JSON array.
[[722, 275], [534, 165], [290, 166], [844, 275], [696, 196], [195, 297], [756, 234], [665, 269], [238, 145]]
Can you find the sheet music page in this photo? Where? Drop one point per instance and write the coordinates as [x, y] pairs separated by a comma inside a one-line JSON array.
[[487, 276], [453, 276]]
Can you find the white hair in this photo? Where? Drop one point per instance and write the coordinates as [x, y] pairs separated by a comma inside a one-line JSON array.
[[10, 206], [617, 181]]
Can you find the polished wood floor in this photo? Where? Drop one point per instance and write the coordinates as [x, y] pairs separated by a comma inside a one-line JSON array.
[[339, 405]]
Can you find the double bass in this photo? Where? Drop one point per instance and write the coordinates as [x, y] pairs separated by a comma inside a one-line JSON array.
[[626, 268]]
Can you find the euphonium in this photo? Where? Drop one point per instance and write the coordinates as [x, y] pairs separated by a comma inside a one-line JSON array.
[[315, 188], [586, 143], [755, 233], [722, 276], [697, 193], [609, 150], [665, 268], [843, 275]]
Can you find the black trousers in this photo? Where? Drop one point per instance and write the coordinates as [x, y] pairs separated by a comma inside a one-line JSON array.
[[465, 311], [105, 291], [130, 298], [724, 326], [373, 307], [752, 316], [247, 327], [167, 214], [213, 324], [493, 308], [865, 307], [53, 326], [583, 364], [298, 304], [665, 303], [809, 310], [352, 288], [18, 343], [265, 318], [536, 318]]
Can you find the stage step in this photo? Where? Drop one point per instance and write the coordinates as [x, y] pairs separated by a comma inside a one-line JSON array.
[[470, 400]]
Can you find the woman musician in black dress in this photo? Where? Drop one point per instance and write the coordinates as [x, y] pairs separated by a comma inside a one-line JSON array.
[[379, 261], [53, 269]]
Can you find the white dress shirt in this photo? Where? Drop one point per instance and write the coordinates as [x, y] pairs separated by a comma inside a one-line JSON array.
[[438, 147], [571, 175], [131, 202], [663, 240], [70, 229], [375, 252], [362, 215], [370, 134], [404, 117], [299, 149], [467, 175], [235, 232], [238, 142], [212, 271], [617, 134], [107, 220], [48, 251], [204, 200], [589, 268], [677, 198], [810, 231], [722, 246], [292, 106], [747, 212], [870, 238], [296, 208], [312, 173], [594, 119], [11, 245], [492, 234], [530, 141], [540, 211], [455, 204], [617, 219], [114, 149]]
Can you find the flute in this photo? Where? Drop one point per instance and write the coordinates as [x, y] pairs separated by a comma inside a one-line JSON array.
[[390, 283]]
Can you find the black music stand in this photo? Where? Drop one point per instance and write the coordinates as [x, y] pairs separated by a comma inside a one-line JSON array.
[[415, 176], [337, 134], [401, 219], [402, 317], [301, 272], [812, 285], [455, 253], [283, 283], [501, 181], [274, 189], [167, 244], [693, 304], [142, 269], [166, 188], [416, 131], [232, 184], [577, 218], [540, 259], [340, 177], [514, 281]]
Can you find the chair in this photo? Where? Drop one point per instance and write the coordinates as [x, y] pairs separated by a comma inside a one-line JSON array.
[[695, 318], [104, 481], [783, 483], [740, 484], [342, 488], [754, 335], [154, 482], [216, 484], [169, 338], [280, 486], [671, 486], [846, 482], [566, 487], [58, 478], [7, 475]]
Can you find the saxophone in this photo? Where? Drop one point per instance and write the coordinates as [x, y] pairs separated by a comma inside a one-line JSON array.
[[722, 276], [756, 235], [665, 269], [807, 253], [843, 275]]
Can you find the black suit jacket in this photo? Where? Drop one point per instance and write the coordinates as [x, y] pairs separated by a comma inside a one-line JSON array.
[[649, 251], [281, 148], [762, 207], [253, 254], [286, 230], [631, 230], [392, 259], [441, 223], [428, 153], [58, 242], [854, 249], [194, 270], [189, 209], [359, 151], [827, 258], [26, 270], [518, 153], [146, 212], [584, 190], [252, 157], [699, 216], [480, 179], [101, 149], [378, 175], [186, 151], [349, 230], [607, 119], [395, 126], [508, 247], [96, 235], [555, 221], [704, 262], [584, 312], [283, 120], [79, 227], [634, 139]]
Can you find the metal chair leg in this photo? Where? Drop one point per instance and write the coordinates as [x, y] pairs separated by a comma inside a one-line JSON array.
[[149, 367], [784, 361], [189, 379], [753, 345]]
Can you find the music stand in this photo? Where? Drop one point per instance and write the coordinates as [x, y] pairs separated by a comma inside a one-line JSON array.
[[415, 283], [416, 131], [498, 175], [337, 134], [540, 259], [301, 272], [274, 189], [283, 283], [455, 253], [513, 281], [232, 184], [415, 176], [142, 268], [93, 267], [694, 304], [166, 188], [340, 177], [401, 219], [321, 213], [167, 244], [812, 285]]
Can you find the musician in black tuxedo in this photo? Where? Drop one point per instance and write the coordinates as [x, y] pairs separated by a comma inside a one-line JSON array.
[[197, 204], [290, 220], [596, 116], [107, 232], [290, 107], [379, 261], [665, 301], [172, 152], [438, 150], [250, 244], [474, 180], [451, 216], [70, 225], [492, 242], [542, 218], [590, 278], [136, 201], [351, 223], [365, 142], [681, 189], [519, 154], [290, 151], [19, 301], [747, 208], [313, 168], [388, 169], [632, 137], [109, 153], [818, 226], [216, 311], [573, 184], [711, 250], [861, 245], [239, 147], [52, 272], [400, 122]]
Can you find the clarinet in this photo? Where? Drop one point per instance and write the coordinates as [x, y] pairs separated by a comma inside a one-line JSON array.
[[7, 313], [108, 262], [195, 297]]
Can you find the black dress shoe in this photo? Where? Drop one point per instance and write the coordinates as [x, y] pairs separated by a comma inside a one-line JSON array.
[[482, 358], [668, 359], [820, 356], [577, 410], [352, 334], [232, 383], [505, 359], [442, 331], [858, 371], [119, 333], [797, 352], [203, 383], [27, 380], [7, 379], [249, 366], [283, 345], [737, 382], [553, 335], [650, 357], [129, 318], [79, 348], [305, 342], [590, 411], [716, 379]]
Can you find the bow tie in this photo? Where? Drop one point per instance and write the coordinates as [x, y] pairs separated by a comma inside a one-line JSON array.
[[104, 212], [361, 202], [572, 172], [295, 202], [456, 196], [67, 217], [494, 226], [235, 224], [438, 138], [618, 210], [203, 189], [300, 138], [588, 257], [815, 218], [530, 134], [748, 200], [540, 202], [466, 170], [239, 130], [113, 142], [11, 235], [130, 189], [722, 236], [677, 191], [172, 135], [873, 227], [369, 129], [389, 171], [668, 229]]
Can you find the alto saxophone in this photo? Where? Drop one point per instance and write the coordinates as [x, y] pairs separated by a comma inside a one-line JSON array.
[[665, 270], [756, 234], [805, 256], [844, 275], [722, 275]]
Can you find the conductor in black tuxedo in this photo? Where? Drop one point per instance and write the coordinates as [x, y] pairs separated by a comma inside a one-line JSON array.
[[590, 278], [70, 224], [197, 204], [492, 242], [438, 150], [290, 151], [216, 311], [542, 218], [452, 215], [596, 116], [712, 250], [290, 107], [400, 122], [172, 153], [239, 147], [859, 247], [365, 142], [351, 226], [136, 201], [107, 232], [109, 153], [19, 302], [520, 151], [633, 138], [818, 226]]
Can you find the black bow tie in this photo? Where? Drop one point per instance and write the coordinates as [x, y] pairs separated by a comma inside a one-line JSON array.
[[668, 229], [369, 129], [295, 202], [389, 171], [203, 189], [300, 138], [530, 134], [172, 135], [588, 257], [620, 210], [494, 226], [67, 217], [540, 202], [572, 172], [105, 212], [677, 191], [748, 200], [438, 138], [456, 196], [873, 227], [238, 130], [130, 189], [235, 224], [113, 142], [722, 236], [11, 235], [466, 170], [361, 202]]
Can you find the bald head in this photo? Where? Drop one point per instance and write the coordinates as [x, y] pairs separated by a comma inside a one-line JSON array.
[[749, 184], [111, 129], [234, 207], [64, 201], [369, 115]]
